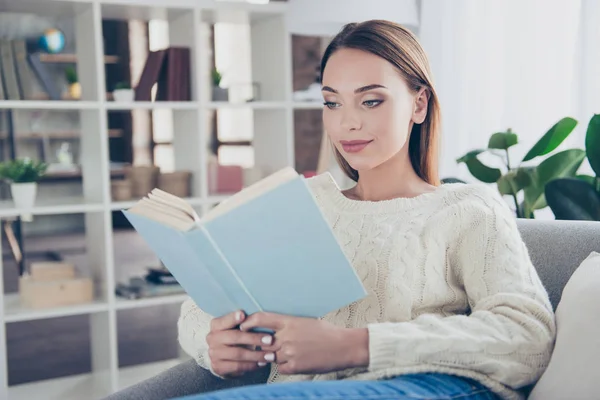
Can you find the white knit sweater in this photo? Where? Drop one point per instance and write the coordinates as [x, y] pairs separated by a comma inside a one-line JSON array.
[[451, 289]]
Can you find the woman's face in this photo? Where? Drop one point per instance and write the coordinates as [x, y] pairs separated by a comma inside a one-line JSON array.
[[369, 108]]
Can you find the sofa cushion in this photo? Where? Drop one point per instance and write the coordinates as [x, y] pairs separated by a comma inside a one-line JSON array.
[[573, 369]]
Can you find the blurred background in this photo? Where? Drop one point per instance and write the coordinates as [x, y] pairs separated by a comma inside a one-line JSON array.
[[103, 100]]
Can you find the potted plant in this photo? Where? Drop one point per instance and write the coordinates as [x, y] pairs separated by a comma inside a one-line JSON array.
[[218, 93], [529, 179], [23, 175], [578, 197], [123, 92], [74, 85]]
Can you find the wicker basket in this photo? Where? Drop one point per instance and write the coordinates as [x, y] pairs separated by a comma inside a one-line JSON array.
[[120, 189], [177, 183], [143, 179]]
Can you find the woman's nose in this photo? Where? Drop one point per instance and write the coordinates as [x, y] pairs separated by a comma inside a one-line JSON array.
[[350, 121]]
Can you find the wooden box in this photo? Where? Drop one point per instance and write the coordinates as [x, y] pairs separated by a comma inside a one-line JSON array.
[[56, 293], [120, 189]]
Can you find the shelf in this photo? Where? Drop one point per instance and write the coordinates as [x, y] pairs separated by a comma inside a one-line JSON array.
[[125, 304], [73, 205], [14, 312], [308, 105], [55, 135], [240, 12], [120, 205], [153, 105], [48, 105], [71, 58], [77, 387], [255, 105]]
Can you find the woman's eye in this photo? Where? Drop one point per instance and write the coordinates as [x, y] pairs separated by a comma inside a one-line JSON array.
[[372, 103], [331, 104]]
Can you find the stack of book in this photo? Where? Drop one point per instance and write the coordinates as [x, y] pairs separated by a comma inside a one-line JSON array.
[[18, 70], [157, 282]]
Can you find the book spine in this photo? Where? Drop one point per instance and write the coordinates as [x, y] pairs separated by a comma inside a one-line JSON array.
[[23, 69], [10, 75]]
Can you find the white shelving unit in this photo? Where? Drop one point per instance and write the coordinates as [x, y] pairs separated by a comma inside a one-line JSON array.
[[189, 23]]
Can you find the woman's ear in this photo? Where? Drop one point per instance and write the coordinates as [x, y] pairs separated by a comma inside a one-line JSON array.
[[420, 107]]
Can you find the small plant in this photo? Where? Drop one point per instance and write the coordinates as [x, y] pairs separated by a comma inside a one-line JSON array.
[[216, 78], [71, 75], [22, 170], [123, 85], [530, 179]]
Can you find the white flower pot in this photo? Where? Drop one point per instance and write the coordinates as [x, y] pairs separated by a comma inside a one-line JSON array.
[[23, 195], [220, 94], [124, 95]]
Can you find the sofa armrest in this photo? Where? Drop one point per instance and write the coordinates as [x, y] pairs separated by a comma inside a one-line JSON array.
[[185, 379]]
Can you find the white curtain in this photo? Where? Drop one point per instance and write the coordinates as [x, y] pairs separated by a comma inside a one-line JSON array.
[[520, 64]]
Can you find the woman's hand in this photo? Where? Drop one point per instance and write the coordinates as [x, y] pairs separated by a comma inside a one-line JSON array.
[[232, 352], [310, 346]]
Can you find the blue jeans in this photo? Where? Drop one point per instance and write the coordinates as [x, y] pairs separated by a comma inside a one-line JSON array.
[[428, 386]]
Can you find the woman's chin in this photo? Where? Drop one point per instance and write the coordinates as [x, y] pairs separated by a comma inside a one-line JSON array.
[[362, 166]]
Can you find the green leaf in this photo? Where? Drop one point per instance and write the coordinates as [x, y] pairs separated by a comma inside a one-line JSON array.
[[479, 170], [514, 181], [552, 139], [587, 178], [573, 199], [483, 172], [452, 180], [592, 143], [22, 170], [470, 155], [561, 165], [503, 140]]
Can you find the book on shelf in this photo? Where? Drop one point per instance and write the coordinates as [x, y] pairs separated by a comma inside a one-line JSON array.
[[169, 69], [9, 73], [266, 248]]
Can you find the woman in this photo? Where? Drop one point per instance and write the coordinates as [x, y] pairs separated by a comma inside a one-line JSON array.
[[455, 307]]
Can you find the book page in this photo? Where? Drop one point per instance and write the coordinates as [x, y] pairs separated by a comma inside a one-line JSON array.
[[162, 209], [170, 200], [251, 192]]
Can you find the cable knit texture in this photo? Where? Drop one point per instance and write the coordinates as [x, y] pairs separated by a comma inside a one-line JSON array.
[[451, 289]]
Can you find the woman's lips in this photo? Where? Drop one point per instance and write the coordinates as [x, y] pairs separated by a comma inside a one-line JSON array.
[[354, 146]]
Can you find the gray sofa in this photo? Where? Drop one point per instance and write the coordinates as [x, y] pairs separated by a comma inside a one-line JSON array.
[[556, 247]]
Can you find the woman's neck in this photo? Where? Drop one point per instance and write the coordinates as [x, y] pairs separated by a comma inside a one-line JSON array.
[[392, 179]]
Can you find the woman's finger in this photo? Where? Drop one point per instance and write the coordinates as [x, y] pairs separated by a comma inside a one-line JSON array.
[[233, 353], [226, 322], [234, 368], [236, 337]]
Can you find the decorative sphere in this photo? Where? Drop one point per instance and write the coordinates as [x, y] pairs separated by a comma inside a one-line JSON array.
[[53, 41]]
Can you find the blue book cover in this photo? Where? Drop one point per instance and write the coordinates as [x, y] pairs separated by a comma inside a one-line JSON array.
[[273, 251]]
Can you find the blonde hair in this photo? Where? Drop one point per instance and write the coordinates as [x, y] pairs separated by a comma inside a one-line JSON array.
[[400, 47]]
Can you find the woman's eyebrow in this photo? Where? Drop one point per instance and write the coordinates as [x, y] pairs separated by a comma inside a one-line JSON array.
[[359, 90], [369, 87]]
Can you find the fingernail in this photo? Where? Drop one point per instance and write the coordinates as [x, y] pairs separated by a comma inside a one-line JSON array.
[[238, 316], [270, 357], [267, 339], [262, 364]]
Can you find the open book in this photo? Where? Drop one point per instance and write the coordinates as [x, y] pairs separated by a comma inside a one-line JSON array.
[[266, 248]]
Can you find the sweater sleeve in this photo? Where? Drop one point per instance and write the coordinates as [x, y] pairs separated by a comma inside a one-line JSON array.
[[193, 326], [508, 334]]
